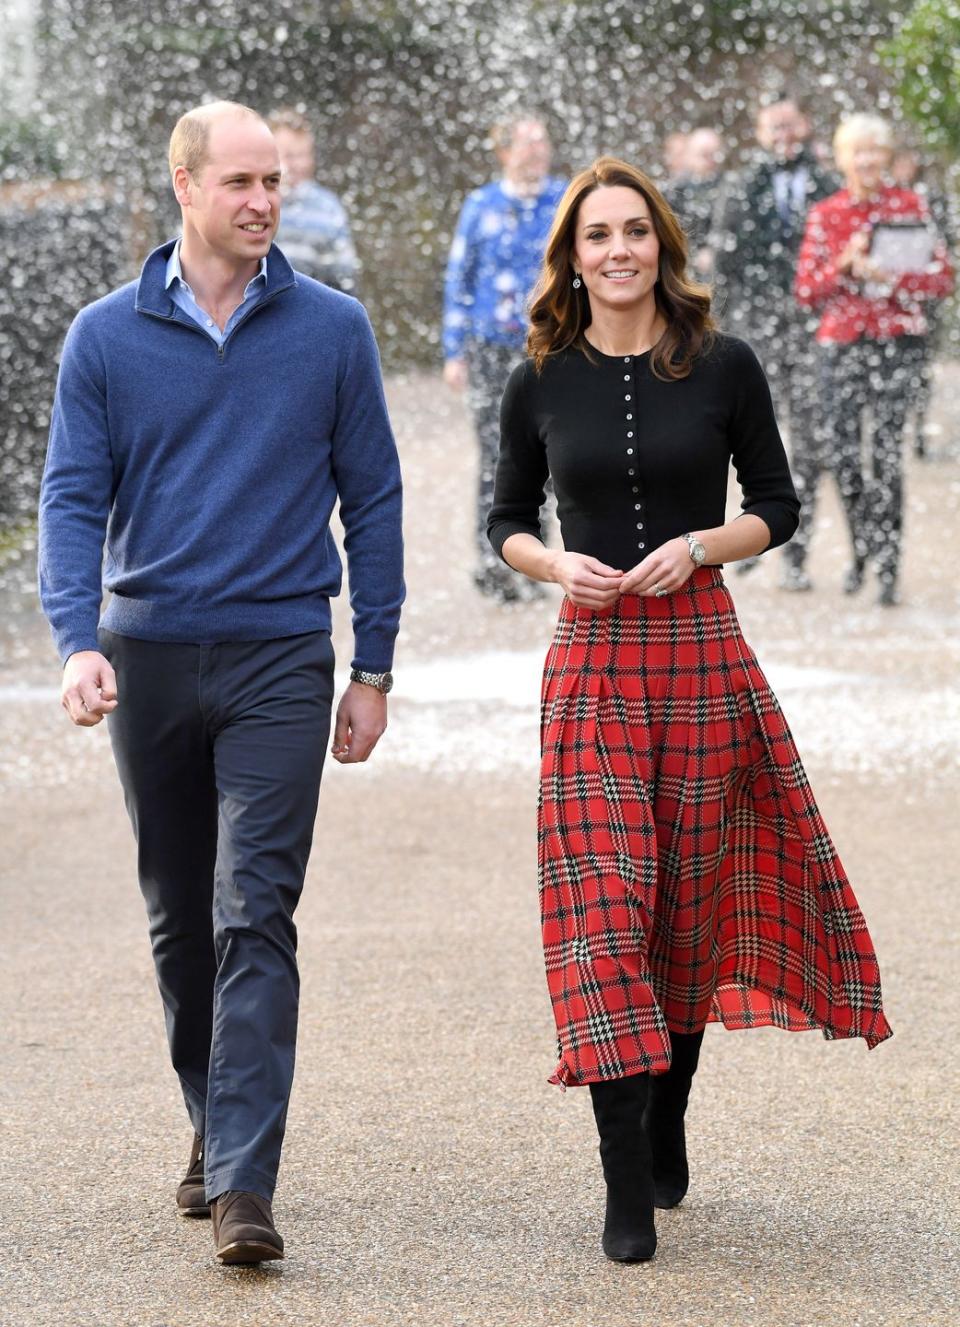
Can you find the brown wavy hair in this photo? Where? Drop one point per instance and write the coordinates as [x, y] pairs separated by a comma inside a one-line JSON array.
[[559, 315]]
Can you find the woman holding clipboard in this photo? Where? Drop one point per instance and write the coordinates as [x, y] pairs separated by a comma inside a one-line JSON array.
[[869, 262]]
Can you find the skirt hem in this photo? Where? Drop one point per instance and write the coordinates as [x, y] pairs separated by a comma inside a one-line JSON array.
[[564, 1077]]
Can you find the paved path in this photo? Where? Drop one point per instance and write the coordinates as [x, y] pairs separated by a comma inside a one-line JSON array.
[[430, 1175]]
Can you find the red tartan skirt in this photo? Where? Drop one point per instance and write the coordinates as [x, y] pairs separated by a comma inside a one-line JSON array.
[[686, 875]]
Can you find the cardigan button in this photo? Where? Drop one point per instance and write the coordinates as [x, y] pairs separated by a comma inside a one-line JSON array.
[[629, 416], [626, 377], [626, 398], [629, 435], [629, 451], [632, 472]]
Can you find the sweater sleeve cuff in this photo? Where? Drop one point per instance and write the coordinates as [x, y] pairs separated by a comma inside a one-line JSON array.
[[373, 652], [72, 642], [499, 534], [780, 519]]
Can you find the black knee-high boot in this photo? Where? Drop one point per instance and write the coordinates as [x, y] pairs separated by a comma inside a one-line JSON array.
[[629, 1234], [663, 1119]]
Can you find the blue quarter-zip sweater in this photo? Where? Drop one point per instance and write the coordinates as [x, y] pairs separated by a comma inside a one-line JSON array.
[[210, 472]]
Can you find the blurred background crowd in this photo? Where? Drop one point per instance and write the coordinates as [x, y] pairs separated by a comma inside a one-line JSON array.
[[425, 146]]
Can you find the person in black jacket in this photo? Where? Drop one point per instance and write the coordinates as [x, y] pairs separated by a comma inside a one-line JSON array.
[[695, 195], [760, 225]]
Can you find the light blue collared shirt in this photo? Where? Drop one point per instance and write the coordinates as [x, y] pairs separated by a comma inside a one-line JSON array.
[[184, 298]]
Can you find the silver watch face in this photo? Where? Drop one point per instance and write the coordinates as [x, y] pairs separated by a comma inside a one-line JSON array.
[[697, 551]]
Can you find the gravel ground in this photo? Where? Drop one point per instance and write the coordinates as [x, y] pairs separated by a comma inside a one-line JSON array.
[[430, 1174]]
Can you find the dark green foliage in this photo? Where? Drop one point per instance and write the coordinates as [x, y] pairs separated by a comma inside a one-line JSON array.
[[925, 56]]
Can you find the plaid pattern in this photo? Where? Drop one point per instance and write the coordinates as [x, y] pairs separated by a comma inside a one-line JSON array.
[[686, 875]]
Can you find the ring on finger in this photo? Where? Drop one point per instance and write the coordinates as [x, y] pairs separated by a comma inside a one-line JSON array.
[[659, 591]]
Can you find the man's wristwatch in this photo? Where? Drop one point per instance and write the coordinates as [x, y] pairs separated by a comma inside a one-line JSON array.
[[382, 681], [697, 550]]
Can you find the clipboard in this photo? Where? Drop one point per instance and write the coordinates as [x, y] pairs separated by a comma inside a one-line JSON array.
[[899, 247]]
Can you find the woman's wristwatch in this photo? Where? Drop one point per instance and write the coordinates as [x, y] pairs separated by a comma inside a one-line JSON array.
[[697, 550], [382, 681]]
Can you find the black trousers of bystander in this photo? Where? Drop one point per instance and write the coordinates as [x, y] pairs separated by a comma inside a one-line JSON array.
[[865, 390]]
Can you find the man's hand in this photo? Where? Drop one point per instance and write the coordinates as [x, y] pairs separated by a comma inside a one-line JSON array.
[[665, 569], [89, 689], [455, 374], [361, 722]]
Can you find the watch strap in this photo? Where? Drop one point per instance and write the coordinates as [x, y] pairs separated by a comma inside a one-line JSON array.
[[381, 681]]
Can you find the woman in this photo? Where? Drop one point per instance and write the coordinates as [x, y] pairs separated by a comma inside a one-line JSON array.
[[686, 875], [871, 337]]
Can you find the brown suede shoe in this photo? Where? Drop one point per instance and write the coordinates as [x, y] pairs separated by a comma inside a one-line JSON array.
[[191, 1199], [243, 1228]]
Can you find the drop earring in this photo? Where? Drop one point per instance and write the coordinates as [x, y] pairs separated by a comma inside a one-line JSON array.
[[577, 283]]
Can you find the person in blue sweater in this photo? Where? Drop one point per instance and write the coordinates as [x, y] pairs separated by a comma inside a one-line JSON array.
[[207, 419], [493, 266]]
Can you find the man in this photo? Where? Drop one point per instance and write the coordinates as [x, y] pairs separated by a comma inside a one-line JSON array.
[[760, 228], [494, 264], [207, 418], [315, 234], [694, 197], [675, 158]]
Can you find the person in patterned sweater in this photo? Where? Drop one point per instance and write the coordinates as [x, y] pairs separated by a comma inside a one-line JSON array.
[[494, 261]]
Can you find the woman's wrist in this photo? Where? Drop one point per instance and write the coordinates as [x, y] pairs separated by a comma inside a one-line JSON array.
[[551, 565]]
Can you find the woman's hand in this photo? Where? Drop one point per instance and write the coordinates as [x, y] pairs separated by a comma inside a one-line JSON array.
[[854, 260], [853, 252], [587, 582], [665, 569]]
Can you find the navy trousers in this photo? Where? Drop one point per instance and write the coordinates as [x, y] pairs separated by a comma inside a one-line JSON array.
[[220, 749], [489, 366]]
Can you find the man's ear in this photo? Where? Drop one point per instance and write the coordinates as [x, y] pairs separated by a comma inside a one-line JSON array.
[[181, 185]]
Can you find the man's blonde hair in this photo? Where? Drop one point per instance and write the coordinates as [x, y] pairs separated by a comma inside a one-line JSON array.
[[501, 134], [191, 134]]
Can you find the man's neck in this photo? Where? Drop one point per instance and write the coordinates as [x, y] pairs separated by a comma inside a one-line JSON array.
[[523, 188], [790, 164], [217, 283]]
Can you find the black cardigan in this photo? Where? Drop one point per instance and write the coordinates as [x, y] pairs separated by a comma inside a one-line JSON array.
[[635, 460]]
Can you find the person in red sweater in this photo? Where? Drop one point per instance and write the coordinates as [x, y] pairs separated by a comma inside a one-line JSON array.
[[870, 336]]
